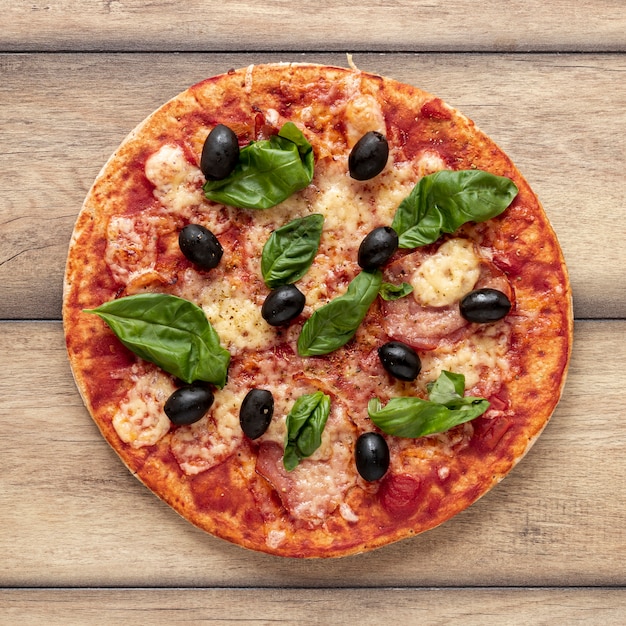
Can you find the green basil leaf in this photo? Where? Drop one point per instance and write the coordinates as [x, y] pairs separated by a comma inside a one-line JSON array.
[[448, 387], [290, 131], [415, 417], [290, 250], [444, 201], [305, 424], [389, 291], [334, 324], [268, 171], [171, 332], [413, 209]]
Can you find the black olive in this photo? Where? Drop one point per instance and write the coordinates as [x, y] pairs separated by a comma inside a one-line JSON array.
[[282, 305], [369, 156], [377, 247], [372, 456], [400, 360], [188, 404], [220, 153], [200, 246], [256, 412], [484, 305]]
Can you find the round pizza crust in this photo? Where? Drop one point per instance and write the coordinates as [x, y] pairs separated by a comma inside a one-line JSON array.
[[124, 242]]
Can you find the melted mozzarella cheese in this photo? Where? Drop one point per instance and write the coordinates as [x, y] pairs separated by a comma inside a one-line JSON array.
[[275, 538], [446, 276], [128, 249], [210, 441], [347, 513], [322, 485], [430, 162], [353, 208], [363, 114], [235, 316], [178, 183], [140, 420], [482, 358]]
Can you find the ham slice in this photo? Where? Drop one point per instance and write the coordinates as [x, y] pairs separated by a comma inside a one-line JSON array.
[[427, 327], [317, 486]]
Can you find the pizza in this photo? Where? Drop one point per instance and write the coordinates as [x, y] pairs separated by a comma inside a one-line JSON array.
[[315, 310]]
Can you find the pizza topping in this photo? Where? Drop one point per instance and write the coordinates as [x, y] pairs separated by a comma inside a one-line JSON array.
[[482, 356], [267, 172], [352, 209], [177, 182], [315, 488], [439, 280], [282, 305], [140, 420], [400, 360], [256, 412], [220, 153], [305, 424], [372, 456], [363, 114], [290, 250], [347, 513], [414, 417], [484, 305], [334, 324], [391, 292], [169, 331], [369, 156], [200, 246], [399, 494], [442, 202], [377, 248], [211, 440], [235, 314], [188, 404], [131, 245], [443, 278]]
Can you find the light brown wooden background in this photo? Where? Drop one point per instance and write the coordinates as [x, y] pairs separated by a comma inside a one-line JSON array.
[[81, 541]]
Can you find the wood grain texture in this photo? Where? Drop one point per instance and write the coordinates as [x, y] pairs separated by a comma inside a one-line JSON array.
[[72, 515], [561, 118], [436, 607], [544, 547], [370, 25]]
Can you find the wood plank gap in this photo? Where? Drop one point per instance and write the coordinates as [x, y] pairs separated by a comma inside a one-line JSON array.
[[324, 588], [382, 51]]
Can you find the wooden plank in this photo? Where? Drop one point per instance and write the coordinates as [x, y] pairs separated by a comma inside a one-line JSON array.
[[72, 515], [370, 25], [471, 607], [560, 117]]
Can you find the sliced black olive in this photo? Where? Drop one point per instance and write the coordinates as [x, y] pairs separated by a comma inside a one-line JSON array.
[[484, 305], [282, 305], [369, 156], [220, 153], [188, 404], [256, 412], [377, 247], [400, 360], [372, 456], [200, 246]]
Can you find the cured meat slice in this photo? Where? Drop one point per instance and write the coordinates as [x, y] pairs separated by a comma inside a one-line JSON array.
[[440, 278], [317, 486]]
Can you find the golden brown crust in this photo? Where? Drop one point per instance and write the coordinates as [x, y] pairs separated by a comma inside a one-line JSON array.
[[234, 499]]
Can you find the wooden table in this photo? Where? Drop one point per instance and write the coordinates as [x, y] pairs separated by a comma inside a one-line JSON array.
[[81, 541]]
